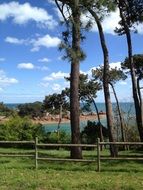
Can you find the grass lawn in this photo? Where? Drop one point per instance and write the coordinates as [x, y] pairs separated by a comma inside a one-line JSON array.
[[20, 174]]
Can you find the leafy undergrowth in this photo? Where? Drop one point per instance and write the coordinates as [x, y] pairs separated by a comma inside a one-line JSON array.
[[20, 173]]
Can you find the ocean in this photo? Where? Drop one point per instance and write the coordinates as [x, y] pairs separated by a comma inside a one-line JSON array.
[[126, 107], [12, 106]]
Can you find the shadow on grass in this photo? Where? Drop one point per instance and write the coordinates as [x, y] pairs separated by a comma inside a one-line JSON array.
[[4, 162], [106, 165], [121, 166]]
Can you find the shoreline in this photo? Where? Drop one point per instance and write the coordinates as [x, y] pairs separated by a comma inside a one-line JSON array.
[[65, 120]]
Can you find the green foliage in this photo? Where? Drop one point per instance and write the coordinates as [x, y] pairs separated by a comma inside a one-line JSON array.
[[114, 74], [88, 88], [17, 128], [31, 109], [132, 13], [53, 102], [5, 111], [91, 132], [71, 54], [101, 7], [138, 65], [55, 137], [132, 134]]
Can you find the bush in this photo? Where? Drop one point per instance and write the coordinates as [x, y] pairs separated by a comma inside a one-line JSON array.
[[31, 109], [17, 128], [132, 134], [91, 132], [5, 111], [62, 137]]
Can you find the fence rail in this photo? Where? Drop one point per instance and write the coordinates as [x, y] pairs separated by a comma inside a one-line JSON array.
[[98, 157], [17, 142]]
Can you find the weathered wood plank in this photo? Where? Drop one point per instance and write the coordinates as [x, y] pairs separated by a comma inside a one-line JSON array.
[[121, 143], [16, 155], [17, 142], [121, 158], [64, 160], [68, 145]]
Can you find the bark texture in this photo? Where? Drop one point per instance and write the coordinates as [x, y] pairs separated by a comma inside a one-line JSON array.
[[76, 152], [113, 148], [136, 96]]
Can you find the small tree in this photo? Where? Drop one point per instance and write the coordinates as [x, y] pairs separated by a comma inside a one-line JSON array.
[[138, 65], [114, 76], [92, 131], [53, 103]]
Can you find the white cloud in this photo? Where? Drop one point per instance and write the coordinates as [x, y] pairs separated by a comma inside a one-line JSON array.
[[109, 23], [23, 13], [44, 41], [55, 76], [28, 66], [44, 84], [112, 65], [56, 87], [139, 28], [51, 1], [45, 59], [59, 75], [115, 65], [13, 40], [31, 66], [2, 59], [123, 83], [43, 68], [5, 81], [47, 78]]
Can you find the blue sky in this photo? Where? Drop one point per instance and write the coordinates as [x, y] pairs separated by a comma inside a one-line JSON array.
[[30, 63]]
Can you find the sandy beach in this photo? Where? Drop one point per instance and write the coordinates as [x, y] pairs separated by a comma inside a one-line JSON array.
[[91, 117]]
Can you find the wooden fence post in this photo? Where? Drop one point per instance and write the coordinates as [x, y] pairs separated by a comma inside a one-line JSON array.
[[98, 154], [36, 153]]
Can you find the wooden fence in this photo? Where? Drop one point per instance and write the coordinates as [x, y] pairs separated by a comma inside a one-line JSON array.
[[98, 157]]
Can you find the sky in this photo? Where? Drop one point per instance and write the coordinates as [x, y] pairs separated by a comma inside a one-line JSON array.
[[31, 64]]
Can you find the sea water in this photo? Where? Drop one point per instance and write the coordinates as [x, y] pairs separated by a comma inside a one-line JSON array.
[[66, 126], [127, 108]]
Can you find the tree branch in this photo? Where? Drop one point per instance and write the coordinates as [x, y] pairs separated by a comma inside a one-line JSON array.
[[61, 10]]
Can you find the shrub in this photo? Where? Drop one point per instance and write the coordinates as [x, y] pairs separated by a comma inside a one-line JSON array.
[[5, 111], [54, 137], [91, 132], [31, 109], [17, 128]]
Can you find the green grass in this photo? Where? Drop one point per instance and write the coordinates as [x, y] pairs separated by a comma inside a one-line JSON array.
[[20, 174]]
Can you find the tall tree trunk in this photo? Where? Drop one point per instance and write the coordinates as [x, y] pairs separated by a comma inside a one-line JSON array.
[[113, 148], [140, 97], [119, 112], [60, 119], [137, 103], [76, 152], [99, 121], [100, 125]]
